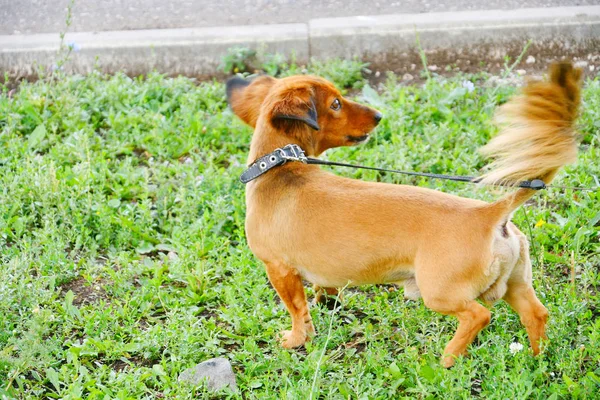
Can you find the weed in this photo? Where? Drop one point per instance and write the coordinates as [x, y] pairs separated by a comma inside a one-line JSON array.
[[124, 259], [238, 59]]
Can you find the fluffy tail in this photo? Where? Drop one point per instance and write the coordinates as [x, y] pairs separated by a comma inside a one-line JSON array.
[[537, 135]]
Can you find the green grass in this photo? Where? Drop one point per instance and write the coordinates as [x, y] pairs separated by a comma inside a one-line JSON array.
[[124, 262]]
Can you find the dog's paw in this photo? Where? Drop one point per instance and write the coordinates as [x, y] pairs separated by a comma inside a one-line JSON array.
[[448, 360], [291, 339]]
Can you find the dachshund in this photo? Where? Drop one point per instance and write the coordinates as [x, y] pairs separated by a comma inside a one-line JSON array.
[[306, 223]]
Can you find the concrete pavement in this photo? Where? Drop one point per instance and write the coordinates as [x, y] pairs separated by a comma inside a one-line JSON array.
[[47, 16]]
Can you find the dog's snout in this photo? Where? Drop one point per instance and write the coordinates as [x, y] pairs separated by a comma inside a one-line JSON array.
[[378, 116]]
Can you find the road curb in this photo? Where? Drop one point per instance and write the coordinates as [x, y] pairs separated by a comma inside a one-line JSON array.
[[386, 40], [466, 36], [190, 52]]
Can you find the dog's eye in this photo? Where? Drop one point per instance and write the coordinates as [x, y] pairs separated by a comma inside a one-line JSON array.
[[336, 105]]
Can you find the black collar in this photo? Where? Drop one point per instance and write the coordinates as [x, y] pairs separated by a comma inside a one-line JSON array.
[[291, 152]]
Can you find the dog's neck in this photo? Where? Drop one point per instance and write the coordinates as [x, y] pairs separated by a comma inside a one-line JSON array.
[[266, 141]]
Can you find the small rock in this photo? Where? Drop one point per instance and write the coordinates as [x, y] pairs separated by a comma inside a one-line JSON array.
[[217, 372], [592, 68], [413, 66], [580, 64], [530, 60], [433, 67], [521, 72], [377, 74], [407, 77], [172, 256]]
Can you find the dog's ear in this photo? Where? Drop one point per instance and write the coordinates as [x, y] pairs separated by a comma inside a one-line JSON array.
[[245, 98], [297, 104]]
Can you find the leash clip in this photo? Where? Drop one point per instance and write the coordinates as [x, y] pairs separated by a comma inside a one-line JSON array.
[[297, 154]]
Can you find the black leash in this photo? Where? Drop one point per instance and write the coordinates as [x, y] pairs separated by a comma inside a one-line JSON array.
[[535, 184], [293, 152]]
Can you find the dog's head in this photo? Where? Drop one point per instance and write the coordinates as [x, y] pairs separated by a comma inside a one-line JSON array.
[[306, 108]]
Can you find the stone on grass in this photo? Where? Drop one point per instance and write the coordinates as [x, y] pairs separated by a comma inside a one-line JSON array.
[[217, 372]]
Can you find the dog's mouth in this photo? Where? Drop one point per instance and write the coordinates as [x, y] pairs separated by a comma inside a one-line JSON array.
[[358, 139]]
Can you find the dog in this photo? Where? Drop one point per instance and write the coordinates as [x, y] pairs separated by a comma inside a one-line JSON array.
[[306, 223]]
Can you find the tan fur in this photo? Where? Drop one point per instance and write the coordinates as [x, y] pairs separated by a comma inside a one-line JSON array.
[[306, 223]]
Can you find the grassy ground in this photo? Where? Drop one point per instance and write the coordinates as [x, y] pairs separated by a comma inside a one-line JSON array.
[[124, 260]]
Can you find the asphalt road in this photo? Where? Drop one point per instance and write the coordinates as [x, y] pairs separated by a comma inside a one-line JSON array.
[[46, 16]]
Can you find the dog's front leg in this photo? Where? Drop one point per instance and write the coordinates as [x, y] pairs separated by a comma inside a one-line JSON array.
[[288, 284], [411, 290], [327, 296]]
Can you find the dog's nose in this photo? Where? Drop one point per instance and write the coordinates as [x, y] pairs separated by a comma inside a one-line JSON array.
[[378, 116]]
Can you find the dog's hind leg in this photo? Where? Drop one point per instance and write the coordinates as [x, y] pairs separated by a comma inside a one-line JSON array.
[[451, 296], [532, 313], [472, 318], [327, 296], [288, 284], [521, 297]]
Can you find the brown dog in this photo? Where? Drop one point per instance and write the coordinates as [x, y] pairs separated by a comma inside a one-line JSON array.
[[303, 222]]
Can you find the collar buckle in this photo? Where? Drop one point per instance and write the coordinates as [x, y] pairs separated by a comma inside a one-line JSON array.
[[292, 152]]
